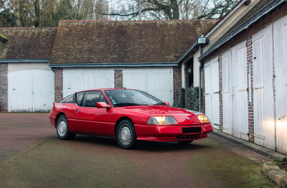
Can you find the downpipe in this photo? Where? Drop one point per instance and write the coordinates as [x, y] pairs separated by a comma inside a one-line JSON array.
[[200, 67]]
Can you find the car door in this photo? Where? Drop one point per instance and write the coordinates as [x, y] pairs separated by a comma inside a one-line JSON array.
[[93, 120]]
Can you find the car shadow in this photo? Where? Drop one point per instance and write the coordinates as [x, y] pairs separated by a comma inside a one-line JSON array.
[[141, 145]]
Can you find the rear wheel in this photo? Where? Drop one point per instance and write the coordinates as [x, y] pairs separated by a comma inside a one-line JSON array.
[[63, 131], [185, 142], [126, 135]]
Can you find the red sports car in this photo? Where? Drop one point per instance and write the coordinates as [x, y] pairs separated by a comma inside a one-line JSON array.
[[127, 115]]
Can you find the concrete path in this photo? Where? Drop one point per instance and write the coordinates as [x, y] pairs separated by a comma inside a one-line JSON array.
[[32, 156]]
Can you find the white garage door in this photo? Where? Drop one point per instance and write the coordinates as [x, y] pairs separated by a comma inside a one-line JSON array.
[[239, 82], [263, 88], [211, 80], [155, 81], [280, 62], [30, 91], [86, 78], [227, 92]]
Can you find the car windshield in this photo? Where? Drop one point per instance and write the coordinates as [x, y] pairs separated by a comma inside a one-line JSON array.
[[131, 98]]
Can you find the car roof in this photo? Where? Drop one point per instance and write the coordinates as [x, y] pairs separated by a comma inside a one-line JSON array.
[[103, 89]]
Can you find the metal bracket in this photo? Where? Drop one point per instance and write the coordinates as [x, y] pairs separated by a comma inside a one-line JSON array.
[[241, 132], [259, 136], [243, 89], [258, 87]]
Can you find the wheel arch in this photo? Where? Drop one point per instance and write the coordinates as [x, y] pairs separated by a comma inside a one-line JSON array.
[[57, 117], [118, 122]]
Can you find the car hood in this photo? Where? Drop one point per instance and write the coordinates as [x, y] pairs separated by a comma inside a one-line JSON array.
[[159, 110], [181, 115]]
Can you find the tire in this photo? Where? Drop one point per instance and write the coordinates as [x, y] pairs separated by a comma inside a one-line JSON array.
[[62, 129], [126, 135], [184, 142]]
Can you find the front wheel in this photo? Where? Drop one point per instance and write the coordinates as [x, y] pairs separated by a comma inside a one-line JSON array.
[[126, 135], [63, 131]]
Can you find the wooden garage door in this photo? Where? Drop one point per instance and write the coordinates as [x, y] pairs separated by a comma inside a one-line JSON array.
[[227, 92], [280, 63], [155, 81], [30, 91], [263, 88], [239, 91], [211, 89], [86, 78]]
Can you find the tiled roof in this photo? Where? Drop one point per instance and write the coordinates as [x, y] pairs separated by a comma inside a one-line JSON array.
[[27, 43], [84, 42]]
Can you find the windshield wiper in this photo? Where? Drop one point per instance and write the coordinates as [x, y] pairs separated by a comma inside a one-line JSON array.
[[127, 104], [160, 103]]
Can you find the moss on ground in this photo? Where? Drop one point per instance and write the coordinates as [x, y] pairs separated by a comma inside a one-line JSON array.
[[226, 168], [89, 162]]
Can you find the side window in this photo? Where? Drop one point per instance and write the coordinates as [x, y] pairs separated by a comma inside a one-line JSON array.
[[103, 99], [68, 99], [80, 98], [91, 99]]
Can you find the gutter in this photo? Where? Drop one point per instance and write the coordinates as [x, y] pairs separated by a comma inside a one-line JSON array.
[[265, 10], [184, 55], [24, 60], [118, 65]]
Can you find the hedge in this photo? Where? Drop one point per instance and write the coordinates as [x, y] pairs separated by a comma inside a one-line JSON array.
[[193, 98]]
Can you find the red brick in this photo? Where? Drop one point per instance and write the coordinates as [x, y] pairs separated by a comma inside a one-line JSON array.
[[3, 87]]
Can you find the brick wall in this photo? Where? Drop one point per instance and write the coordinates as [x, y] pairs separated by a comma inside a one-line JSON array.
[[176, 83], [118, 79], [220, 90], [3, 87], [250, 87], [58, 84]]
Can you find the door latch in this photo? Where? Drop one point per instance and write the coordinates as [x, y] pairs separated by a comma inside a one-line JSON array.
[[76, 110]]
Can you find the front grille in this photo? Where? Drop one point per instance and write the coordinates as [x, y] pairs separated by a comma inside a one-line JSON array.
[[189, 137]]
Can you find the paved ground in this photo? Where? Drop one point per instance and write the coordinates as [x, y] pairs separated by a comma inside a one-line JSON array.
[[32, 156]]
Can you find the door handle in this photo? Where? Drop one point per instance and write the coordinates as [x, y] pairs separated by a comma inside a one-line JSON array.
[[76, 110]]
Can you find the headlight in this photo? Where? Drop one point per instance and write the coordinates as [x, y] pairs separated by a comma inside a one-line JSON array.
[[161, 120], [202, 118]]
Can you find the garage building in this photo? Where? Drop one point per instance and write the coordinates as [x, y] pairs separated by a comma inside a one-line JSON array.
[[41, 65], [27, 81], [132, 54]]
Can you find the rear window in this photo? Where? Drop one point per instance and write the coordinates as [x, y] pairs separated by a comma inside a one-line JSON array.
[[80, 98], [68, 99]]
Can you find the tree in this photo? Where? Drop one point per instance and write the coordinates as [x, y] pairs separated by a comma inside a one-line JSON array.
[[7, 18], [218, 10], [173, 9], [47, 13]]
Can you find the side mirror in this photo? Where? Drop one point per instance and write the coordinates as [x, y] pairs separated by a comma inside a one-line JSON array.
[[167, 103], [103, 105]]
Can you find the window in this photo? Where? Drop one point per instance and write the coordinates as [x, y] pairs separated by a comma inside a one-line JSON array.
[[92, 97], [80, 97], [131, 98], [68, 99], [103, 99]]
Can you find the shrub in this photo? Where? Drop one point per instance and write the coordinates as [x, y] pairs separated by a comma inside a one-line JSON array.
[[193, 98], [181, 98]]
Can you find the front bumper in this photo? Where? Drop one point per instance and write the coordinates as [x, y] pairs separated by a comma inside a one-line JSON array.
[[170, 132]]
